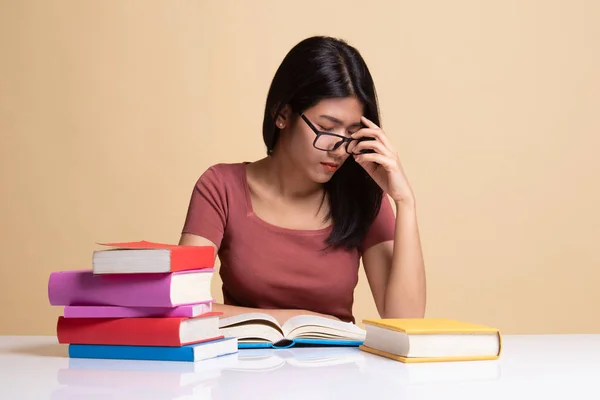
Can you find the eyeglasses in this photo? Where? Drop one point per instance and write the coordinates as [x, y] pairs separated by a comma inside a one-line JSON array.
[[326, 141]]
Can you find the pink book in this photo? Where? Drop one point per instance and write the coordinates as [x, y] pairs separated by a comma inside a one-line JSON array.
[[188, 311], [83, 288]]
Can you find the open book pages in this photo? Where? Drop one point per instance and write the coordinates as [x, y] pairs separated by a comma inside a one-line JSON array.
[[263, 328]]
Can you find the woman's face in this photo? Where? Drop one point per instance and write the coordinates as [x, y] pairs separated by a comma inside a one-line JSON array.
[[340, 116]]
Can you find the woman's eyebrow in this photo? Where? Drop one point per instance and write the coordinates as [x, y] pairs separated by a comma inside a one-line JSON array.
[[339, 122]]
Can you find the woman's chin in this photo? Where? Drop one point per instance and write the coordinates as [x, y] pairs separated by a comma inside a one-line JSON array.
[[322, 176]]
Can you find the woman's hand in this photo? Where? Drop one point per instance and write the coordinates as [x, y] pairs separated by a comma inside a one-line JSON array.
[[384, 164]]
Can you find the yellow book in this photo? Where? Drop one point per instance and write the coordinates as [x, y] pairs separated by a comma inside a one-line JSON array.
[[417, 340]]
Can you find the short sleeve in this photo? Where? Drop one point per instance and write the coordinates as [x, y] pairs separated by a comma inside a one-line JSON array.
[[383, 227], [207, 210]]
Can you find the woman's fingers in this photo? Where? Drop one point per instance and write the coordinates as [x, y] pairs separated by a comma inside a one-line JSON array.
[[372, 130], [357, 146], [377, 158]]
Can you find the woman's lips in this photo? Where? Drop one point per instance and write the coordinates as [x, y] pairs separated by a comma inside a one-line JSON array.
[[330, 167]]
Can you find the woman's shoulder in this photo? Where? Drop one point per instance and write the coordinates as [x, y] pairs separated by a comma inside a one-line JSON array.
[[219, 189], [224, 172], [222, 177], [226, 169]]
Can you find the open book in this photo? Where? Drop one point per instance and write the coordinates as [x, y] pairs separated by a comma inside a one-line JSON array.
[[255, 330]]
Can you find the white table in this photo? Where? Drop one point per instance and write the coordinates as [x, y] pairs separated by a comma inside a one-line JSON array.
[[531, 367]]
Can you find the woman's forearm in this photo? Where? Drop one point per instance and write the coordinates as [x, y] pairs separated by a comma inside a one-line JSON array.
[[405, 295]]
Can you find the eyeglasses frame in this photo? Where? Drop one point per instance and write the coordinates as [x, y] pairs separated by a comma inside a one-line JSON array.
[[343, 139]]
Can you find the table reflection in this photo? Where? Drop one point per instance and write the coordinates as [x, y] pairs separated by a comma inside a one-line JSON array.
[[260, 373]]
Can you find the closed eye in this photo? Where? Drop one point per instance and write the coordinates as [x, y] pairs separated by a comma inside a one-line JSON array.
[[332, 130], [328, 129]]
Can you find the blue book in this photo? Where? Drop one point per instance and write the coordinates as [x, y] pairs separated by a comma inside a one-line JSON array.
[[260, 330], [191, 352]]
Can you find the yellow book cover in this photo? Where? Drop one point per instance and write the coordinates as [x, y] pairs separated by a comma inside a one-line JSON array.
[[414, 327]]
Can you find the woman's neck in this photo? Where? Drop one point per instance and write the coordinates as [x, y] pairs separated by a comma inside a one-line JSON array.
[[286, 180]]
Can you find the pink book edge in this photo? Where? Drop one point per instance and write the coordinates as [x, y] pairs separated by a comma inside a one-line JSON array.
[[150, 274], [136, 312]]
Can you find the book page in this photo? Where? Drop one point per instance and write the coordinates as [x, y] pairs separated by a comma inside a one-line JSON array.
[[251, 327], [321, 327], [253, 333], [254, 318]]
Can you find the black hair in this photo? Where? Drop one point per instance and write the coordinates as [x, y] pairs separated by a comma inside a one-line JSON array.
[[318, 68]]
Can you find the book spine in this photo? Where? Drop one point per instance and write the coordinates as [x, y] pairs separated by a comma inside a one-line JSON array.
[[70, 288], [156, 353], [212, 350], [120, 331], [192, 258]]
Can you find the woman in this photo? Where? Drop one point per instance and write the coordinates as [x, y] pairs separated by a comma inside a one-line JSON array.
[[290, 229]]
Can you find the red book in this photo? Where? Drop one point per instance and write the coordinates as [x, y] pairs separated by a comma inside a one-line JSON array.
[[174, 332], [151, 257]]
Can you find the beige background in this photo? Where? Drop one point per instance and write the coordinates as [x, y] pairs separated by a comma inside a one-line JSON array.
[[109, 111]]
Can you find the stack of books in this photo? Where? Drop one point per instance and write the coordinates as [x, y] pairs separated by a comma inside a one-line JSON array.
[[420, 340], [141, 301]]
